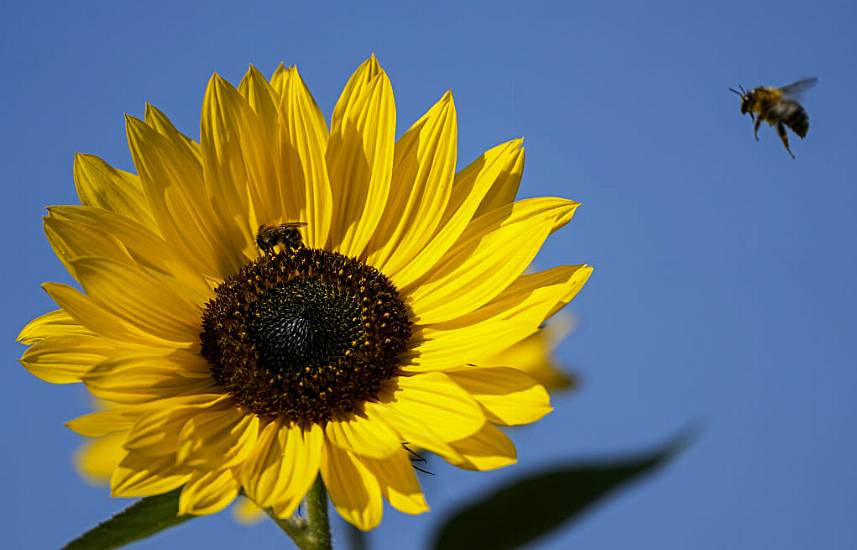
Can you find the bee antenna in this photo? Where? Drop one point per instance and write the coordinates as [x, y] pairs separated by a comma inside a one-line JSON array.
[[734, 91]]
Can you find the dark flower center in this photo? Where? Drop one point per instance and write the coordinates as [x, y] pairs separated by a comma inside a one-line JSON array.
[[305, 333]]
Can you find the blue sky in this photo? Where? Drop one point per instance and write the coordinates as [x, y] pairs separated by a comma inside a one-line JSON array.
[[724, 291]]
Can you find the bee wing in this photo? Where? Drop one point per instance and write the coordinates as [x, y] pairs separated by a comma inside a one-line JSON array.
[[796, 88]]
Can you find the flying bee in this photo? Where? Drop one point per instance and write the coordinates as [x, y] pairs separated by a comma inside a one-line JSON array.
[[286, 234], [778, 107]]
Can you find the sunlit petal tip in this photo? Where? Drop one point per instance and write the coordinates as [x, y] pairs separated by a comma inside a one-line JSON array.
[[219, 83], [80, 160], [565, 214], [373, 65], [102, 423], [353, 488], [136, 130], [574, 285], [133, 122], [365, 73], [254, 72], [488, 449], [507, 395], [50, 325]]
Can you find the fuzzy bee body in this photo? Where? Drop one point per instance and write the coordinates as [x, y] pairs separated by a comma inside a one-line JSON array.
[[287, 234], [778, 107]]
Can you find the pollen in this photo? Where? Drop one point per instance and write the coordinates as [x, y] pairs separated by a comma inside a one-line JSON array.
[[305, 334]]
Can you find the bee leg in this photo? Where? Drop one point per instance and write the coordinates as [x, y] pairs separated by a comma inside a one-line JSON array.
[[781, 129], [756, 128]]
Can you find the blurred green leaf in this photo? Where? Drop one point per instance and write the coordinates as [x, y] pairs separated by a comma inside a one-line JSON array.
[[531, 507], [143, 519]]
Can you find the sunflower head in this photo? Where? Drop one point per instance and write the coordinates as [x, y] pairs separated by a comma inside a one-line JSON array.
[[305, 334], [284, 299]]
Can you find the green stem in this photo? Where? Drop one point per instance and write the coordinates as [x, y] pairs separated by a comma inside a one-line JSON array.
[[312, 533], [316, 508]]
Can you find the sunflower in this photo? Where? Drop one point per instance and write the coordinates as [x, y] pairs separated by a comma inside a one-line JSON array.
[[282, 301]]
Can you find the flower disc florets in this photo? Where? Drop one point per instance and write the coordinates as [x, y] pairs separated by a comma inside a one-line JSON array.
[[305, 333]]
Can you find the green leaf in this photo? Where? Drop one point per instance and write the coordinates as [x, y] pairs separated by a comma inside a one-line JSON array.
[[531, 507], [143, 519]]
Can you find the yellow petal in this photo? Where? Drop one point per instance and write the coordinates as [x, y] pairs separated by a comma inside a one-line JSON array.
[[423, 172], [365, 435], [356, 86], [508, 395], [283, 466], [101, 423], [261, 97], [95, 318], [530, 298], [49, 325], [261, 133], [246, 512], [139, 299], [208, 493], [426, 405], [89, 231], [505, 185], [580, 277], [278, 79], [303, 141], [447, 349], [468, 189], [416, 432], [220, 438], [102, 186], [144, 477], [533, 355], [177, 195], [230, 197], [360, 158], [491, 253], [68, 246], [241, 148], [352, 487], [487, 449], [142, 375], [65, 359], [158, 121], [398, 483], [96, 459], [156, 433]]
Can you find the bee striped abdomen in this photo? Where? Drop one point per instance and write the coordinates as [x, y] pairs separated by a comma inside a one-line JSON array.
[[798, 121]]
